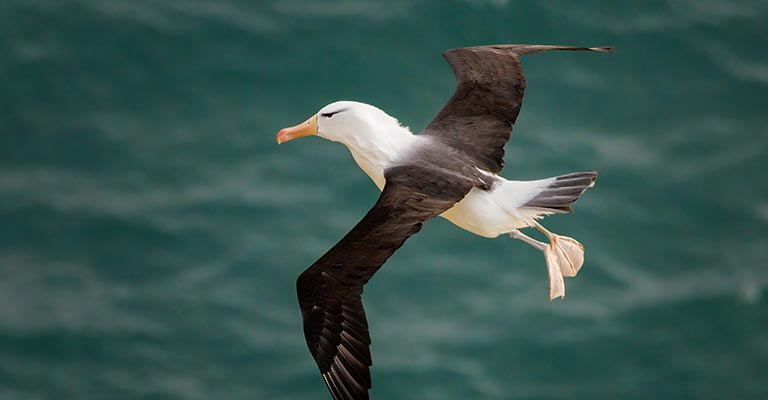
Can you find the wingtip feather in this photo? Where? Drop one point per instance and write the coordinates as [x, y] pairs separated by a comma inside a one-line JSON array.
[[522, 49], [605, 49]]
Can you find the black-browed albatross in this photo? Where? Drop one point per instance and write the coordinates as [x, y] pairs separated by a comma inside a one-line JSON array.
[[451, 170]]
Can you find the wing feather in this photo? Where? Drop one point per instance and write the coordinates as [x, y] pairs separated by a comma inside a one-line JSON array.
[[330, 291], [490, 84]]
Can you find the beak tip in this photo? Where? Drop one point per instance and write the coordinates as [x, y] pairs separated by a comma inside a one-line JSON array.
[[306, 128]]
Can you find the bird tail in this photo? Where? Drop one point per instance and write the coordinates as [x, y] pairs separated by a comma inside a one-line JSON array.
[[561, 191]]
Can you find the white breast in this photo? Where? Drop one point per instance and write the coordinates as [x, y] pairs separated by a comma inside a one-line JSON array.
[[372, 167]]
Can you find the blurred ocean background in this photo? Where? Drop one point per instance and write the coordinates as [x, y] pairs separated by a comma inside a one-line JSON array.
[[151, 230]]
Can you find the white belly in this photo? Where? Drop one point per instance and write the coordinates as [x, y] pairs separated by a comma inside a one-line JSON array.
[[492, 213], [486, 214]]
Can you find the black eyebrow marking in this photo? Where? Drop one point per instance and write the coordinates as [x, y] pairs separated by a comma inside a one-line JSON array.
[[330, 114]]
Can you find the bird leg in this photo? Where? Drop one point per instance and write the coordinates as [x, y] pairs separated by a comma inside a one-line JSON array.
[[527, 239], [564, 256]]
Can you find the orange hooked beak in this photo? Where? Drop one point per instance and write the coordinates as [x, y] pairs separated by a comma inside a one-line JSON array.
[[306, 128]]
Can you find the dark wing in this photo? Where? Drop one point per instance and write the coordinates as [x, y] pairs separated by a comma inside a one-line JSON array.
[[489, 93], [330, 290]]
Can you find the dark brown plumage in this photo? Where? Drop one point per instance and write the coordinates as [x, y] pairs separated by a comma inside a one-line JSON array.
[[471, 131], [490, 84], [330, 290]]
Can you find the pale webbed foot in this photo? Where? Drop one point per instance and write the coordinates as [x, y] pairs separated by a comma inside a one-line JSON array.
[[556, 283], [564, 257], [567, 251]]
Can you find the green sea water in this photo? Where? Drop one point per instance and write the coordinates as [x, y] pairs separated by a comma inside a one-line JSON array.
[[151, 230]]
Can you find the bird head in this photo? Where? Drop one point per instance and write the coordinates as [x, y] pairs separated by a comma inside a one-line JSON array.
[[338, 122]]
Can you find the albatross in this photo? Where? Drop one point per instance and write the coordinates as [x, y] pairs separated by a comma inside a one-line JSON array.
[[451, 169]]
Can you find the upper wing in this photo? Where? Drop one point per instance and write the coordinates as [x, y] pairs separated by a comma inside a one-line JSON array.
[[489, 93], [330, 290]]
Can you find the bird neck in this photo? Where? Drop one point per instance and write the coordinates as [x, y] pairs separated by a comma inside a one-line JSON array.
[[375, 148]]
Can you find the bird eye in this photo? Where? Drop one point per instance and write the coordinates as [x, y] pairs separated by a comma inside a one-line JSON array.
[[330, 114]]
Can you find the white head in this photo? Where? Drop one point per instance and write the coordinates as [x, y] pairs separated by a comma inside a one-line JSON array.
[[342, 121]]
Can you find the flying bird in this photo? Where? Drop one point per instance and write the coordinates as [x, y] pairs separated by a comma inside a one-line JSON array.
[[451, 169]]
